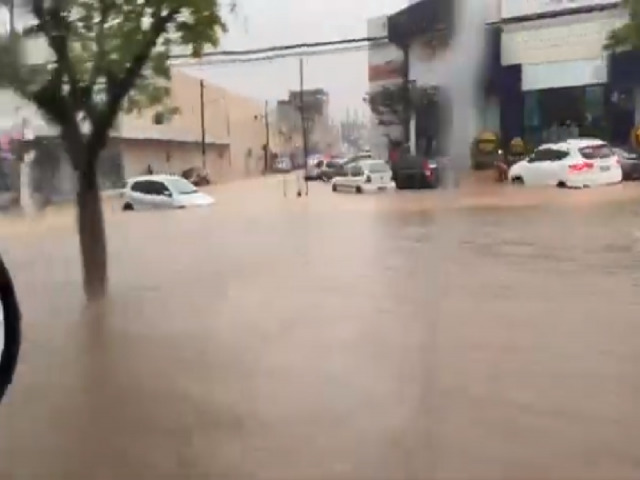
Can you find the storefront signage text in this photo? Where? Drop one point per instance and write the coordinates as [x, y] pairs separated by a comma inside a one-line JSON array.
[[523, 8]]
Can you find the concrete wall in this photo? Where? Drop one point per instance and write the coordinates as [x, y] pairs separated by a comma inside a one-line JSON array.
[[175, 157], [235, 134], [233, 122], [52, 178]]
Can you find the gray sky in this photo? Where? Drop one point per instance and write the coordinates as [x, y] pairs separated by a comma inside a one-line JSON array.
[[262, 23]]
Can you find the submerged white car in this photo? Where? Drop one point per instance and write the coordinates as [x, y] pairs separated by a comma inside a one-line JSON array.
[[577, 163], [152, 192], [364, 176]]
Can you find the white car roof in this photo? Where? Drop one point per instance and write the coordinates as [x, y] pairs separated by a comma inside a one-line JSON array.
[[584, 141], [156, 177], [574, 143], [369, 161]]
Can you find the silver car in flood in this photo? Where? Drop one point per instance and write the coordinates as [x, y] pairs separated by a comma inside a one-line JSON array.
[[154, 192]]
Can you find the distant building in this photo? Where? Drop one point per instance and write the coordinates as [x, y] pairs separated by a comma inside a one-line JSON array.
[[322, 135]]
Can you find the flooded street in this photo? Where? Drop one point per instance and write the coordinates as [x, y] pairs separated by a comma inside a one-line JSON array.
[[336, 337]]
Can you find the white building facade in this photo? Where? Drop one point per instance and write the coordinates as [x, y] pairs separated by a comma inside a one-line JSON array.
[[564, 71], [385, 71], [545, 74]]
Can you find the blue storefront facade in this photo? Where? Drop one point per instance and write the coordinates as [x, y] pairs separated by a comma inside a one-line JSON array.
[[499, 99], [546, 74]]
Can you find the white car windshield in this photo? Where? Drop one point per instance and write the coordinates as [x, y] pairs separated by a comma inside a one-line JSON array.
[[180, 186]]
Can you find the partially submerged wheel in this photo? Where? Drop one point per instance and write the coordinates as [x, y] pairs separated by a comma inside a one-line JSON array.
[[334, 188], [127, 207], [358, 189], [517, 181], [11, 319]]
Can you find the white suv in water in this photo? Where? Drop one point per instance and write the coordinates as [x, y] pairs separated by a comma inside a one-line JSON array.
[[577, 163], [364, 176]]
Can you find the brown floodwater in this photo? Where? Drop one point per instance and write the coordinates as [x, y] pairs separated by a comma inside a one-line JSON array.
[[336, 337]]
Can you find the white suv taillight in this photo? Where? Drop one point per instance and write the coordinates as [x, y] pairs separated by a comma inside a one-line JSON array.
[[581, 167]]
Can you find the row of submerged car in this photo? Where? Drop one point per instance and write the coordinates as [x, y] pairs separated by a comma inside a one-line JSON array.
[[573, 163], [404, 172]]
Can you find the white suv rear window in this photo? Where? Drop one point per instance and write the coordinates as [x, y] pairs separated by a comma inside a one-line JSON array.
[[595, 152], [377, 167]]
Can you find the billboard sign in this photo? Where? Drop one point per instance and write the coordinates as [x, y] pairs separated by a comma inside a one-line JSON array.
[[385, 59], [522, 8]]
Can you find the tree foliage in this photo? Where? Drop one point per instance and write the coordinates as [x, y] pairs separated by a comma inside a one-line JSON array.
[[628, 34], [388, 104], [108, 56]]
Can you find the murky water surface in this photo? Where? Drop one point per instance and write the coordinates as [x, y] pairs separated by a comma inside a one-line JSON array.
[[336, 337]]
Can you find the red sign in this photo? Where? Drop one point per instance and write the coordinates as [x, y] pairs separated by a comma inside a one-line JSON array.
[[391, 70]]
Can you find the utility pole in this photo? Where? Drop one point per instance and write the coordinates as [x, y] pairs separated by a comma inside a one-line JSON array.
[[203, 138], [12, 17], [303, 118], [267, 143]]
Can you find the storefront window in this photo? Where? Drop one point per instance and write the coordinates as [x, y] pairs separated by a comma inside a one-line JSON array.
[[594, 124], [557, 114], [532, 127]]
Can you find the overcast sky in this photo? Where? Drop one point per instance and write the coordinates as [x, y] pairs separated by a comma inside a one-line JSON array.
[[261, 23]]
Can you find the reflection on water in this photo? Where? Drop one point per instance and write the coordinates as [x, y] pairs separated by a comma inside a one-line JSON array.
[[297, 339]]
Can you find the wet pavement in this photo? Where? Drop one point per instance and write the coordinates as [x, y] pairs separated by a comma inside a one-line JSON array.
[[337, 337]]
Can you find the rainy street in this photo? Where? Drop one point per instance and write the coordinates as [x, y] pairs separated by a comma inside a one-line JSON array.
[[492, 333]]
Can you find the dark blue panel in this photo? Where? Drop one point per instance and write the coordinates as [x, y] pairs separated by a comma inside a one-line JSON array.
[[422, 17], [493, 62], [624, 69], [511, 103]]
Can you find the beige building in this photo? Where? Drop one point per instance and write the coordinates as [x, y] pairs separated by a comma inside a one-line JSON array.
[[235, 133]]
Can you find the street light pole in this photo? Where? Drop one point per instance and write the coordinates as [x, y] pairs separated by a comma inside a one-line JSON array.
[[203, 138], [12, 17], [305, 147], [267, 145]]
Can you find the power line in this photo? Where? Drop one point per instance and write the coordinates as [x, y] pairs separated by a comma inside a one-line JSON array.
[[224, 57], [282, 48], [265, 58]]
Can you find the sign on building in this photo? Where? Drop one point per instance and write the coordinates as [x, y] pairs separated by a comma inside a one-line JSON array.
[[523, 8], [385, 59]]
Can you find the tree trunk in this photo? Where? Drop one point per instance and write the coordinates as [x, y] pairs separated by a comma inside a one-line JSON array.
[[93, 244], [27, 201]]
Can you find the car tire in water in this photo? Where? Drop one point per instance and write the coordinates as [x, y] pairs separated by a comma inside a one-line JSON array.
[[127, 207], [334, 188], [401, 184], [562, 184], [517, 181], [358, 189]]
